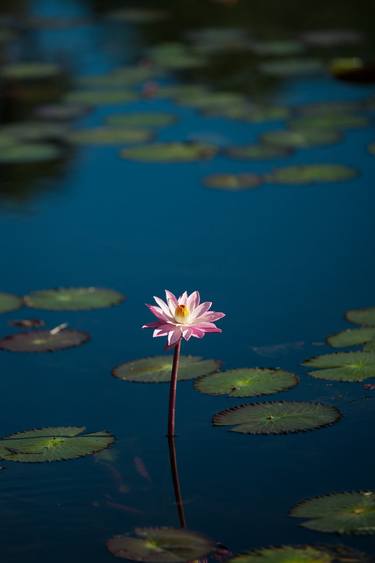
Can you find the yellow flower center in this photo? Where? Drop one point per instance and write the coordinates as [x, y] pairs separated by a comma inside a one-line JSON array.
[[181, 313]]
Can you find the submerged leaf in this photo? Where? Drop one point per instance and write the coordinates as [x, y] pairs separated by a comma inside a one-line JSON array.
[[9, 302], [343, 513], [259, 152], [157, 369], [233, 182], [352, 337], [362, 316], [277, 417], [73, 298], [43, 341], [301, 138], [343, 366], [170, 152], [312, 174], [109, 136], [246, 382], [146, 119], [302, 554]]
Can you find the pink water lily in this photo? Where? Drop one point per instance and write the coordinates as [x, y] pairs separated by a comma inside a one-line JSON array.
[[183, 317]]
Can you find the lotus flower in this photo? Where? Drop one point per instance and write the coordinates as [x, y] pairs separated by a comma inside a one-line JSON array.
[[183, 317]]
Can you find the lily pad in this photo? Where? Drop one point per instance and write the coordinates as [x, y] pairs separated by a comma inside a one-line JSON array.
[[161, 545], [301, 138], [53, 444], [343, 366], [73, 299], [291, 67], [30, 71], [28, 153], [138, 15], [352, 337], [256, 113], [342, 513], [176, 56], [330, 121], [246, 382], [43, 341], [281, 47], [170, 152], [100, 97], [9, 302], [120, 77], [312, 174], [142, 120], [259, 152], [346, 107], [212, 102], [353, 69], [332, 37], [109, 136], [371, 148], [61, 112], [302, 554], [362, 316], [217, 39], [35, 131], [233, 182], [157, 369], [277, 417]]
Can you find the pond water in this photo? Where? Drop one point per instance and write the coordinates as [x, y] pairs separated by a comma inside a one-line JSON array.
[[284, 261]]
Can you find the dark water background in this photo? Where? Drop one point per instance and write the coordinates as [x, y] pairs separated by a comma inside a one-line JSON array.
[[283, 262]]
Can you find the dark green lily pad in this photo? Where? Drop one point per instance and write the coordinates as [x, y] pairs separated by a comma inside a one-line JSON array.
[[142, 120], [212, 102], [100, 97], [302, 554], [43, 341], [138, 15], [30, 71], [362, 316], [346, 107], [254, 113], [53, 444], [109, 136], [330, 121], [352, 337], [246, 382], [120, 77], [278, 48], [157, 369], [259, 152], [28, 152], [332, 37], [301, 138], [180, 91], [233, 182], [61, 112], [176, 56], [342, 513], [161, 545], [170, 152], [217, 39], [371, 148], [73, 299], [277, 417], [35, 131], [312, 174], [10, 302], [292, 67], [343, 366]]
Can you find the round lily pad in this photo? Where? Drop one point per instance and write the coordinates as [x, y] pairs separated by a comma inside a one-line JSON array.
[[142, 119], [161, 545], [259, 152], [312, 174], [29, 71], [362, 316], [352, 337], [233, 182], [301, 138], [109, 136], [292, 67], [170, 152], [27, 153], [281, 47], [73, 298], [246, 382], [371, 148], [100, 97], [302, 554], [53, 444], [43, 341], [277, 417], [330, 121], [343, 366], [9, 302], [157, 369], [342, 513]]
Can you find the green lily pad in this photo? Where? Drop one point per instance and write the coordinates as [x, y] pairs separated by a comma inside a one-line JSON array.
[[142, 120], [255, 113], [346, 107], [35, 131], [217, 39], [176, 56], [100, 97], [312, 174], [362, 316], [259, 152], [161, 545], [138, 15], [28, 153], [109, 136], [352, 337], [170, 152], [292, 67], [30, 71], [281, 47], [301, 138], [233, 182], [302, 554], [342, 513], [246, 382], [332, 37], [277, 417], [120, 77], [43, 341], [330, 121], [10, 302], [53, 444], [61, 112], [343, 366], [353, 69], [180, 91], [73, 299], [371, 148], [157, 369], [212, 102]]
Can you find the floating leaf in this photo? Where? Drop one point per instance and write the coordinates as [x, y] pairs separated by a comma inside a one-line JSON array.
[[170, 152], [160, 545], [347, 107], [352, 337], [281, 47], [29, 71], [100, 97], [142, 119], [212, 101], [371, 148], [25, 153], [302, 554], [362, 316], [73, 298], [35, 131], [291, 67], [343, 366], [157, 369], [175, 56], [120, 77], [260, 114], [353, 69], [259, 152], [138, 15], [9, 302], [331, 121], [312, 174], [109, 136], [246, 382], [177, 91], [343, 513], [61, 112], [53, 444], [301, 138], [43, 341], [233, 182], [332, 37], [214, 40], [277, 417]]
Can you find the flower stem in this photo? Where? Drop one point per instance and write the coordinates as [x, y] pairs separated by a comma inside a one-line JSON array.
[[176, 481], [173, 389]]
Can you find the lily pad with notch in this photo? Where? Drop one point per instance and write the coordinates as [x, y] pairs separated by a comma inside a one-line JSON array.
[[10, 302], [170, 152], [301, 138], [343, 366], [157, 369], [364, 316], [302, 554], [312, 174], [233, 182], [43, 341], [74, 298]]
